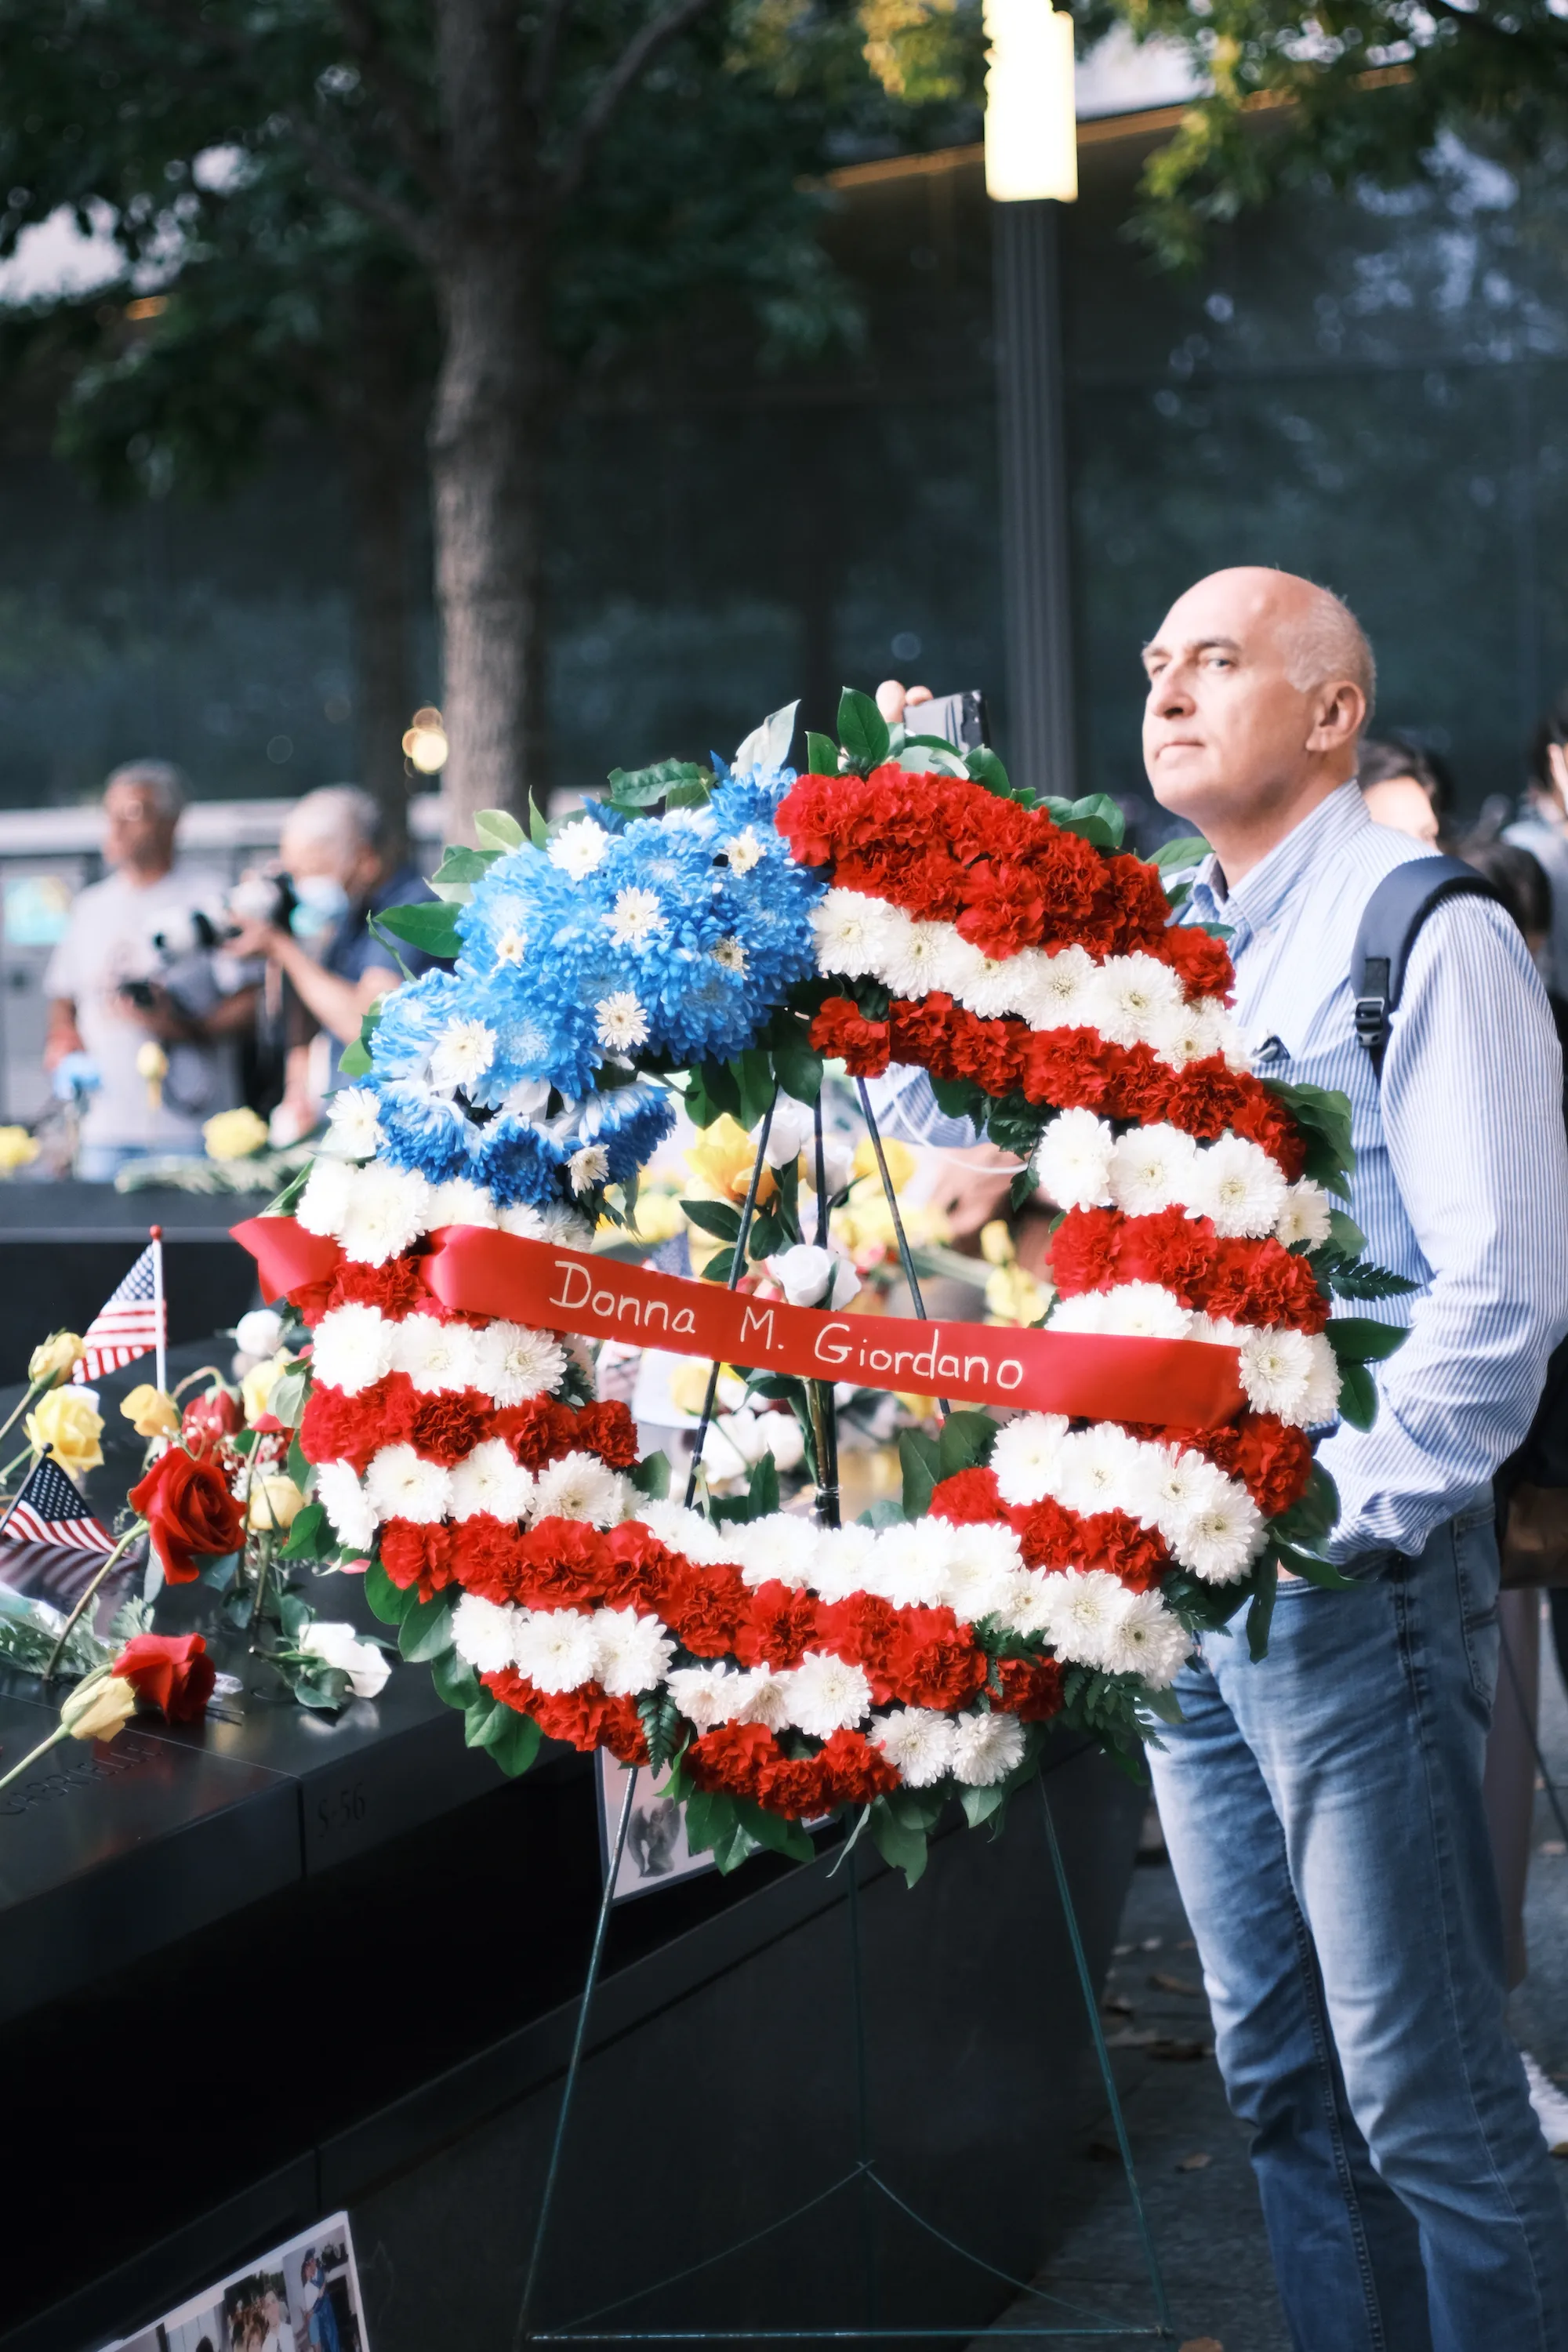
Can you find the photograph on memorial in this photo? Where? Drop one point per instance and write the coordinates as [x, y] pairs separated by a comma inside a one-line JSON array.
[[657, 1853], [303, 2296]]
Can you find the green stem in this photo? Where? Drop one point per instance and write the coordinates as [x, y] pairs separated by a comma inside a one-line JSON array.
[[17, 1411], [263, 1564], [68, 1628], [6, 1473], [43, 1747]]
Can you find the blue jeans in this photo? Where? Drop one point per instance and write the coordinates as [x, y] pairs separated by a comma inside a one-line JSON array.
[[1323, 1814]]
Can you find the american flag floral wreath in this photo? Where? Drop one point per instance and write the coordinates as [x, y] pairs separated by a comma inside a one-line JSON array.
[[897, 904]]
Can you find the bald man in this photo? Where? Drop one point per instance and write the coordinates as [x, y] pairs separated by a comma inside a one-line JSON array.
[[1323, 1808]]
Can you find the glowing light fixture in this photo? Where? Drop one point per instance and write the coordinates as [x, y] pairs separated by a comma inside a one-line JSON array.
[[424, 744], [1031, 129]]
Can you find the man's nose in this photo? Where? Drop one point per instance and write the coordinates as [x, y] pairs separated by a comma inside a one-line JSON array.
[[1171, 696]]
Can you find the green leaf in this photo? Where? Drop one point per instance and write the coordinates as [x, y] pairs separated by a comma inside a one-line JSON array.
[[1095, 819], [966, 1442], [711, 1092], [921, 1459], [457, 1684], [322, 1687], [1322, 1113], [308, 1538], [498, 829], [1367, 1281], [981, 1805], [385, 1600], [1358, 1340], [900, 1842], [958, 1098], [513, 1740], [1261, 1614], [719, 1265], [294, 1614], [1022, 1190], [287, 1401], [1358, 1396], [469, 864], [862, 729], [643, 787], [755, 1084], [715, 1217], [538, 826], [797, 1062], [884, 1513], [1173, 856], [354, 1060], [426, 925], [821, 754], [763, 1488], [1345, 1233], [1312, 1513], [662, 1723], [427, 1630], [779, 1836], [983, 766], [682, 796], [651, 1476], [1315, 1571]]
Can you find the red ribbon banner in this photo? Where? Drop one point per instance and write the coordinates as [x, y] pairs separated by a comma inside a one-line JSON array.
[[1179, 1384]]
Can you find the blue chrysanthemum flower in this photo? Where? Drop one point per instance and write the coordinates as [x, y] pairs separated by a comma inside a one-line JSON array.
[[424, 1133], [518, 1162]]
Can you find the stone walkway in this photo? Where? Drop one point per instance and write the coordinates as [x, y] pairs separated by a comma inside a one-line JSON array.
[[1190, 2153]]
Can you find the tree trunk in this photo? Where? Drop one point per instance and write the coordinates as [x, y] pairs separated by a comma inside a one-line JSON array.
[[489, 427], [378, 452]]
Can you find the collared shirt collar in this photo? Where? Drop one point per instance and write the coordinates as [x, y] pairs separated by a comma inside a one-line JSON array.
[[1262, 893]]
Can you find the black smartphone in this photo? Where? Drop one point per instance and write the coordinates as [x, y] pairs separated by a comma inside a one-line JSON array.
[[959, 719], [140, 992]]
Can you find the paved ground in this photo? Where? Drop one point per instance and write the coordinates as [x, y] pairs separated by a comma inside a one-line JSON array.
[[1190, 2155]]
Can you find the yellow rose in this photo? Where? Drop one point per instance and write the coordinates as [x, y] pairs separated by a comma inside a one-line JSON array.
[[63, 1423], [99, 1707], [56, 1358], [233, 1134], [256, 1389], [150, 1412], [1013, 1296], [275, 1503], [996, 1243], [18, 1149], [900, 1158]]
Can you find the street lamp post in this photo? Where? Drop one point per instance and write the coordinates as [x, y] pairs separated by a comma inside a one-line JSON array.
[[1031, 170]]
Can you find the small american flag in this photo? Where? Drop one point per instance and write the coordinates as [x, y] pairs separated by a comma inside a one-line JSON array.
[[129, 1323], [48, 1510]]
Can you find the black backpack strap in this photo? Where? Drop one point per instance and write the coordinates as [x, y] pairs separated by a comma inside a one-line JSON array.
[[1390, 925]]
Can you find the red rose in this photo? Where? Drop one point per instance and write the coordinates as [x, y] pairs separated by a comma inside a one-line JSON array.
[[1203, 962], [487, 1557], [586, 1718], [840, 1030], [171, 1670], [190, 1512], [447, 1426], [1031, 1687], [969, 1498], [415, 1555], [564, 1563], [208, 1420], [1114, 1540], [1086, 1249], [1048, 1534], [607, 1428], [779, 1628], [931, 1661]]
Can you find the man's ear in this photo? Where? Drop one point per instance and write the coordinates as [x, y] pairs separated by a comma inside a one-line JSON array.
[[1339, 716]]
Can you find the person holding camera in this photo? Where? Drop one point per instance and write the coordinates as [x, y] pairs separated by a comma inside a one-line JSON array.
[[337, 877], [111, 994]]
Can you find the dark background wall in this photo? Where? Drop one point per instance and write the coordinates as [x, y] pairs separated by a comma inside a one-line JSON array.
[[1369, 390]]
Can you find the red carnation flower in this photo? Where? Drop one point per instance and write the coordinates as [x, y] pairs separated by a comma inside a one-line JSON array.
[[1270, 1125], [779, 1627], [586, 1718], [338, 1428], [1205, 1097], [1273, 1461], [1003, 907], [705, 1608], [1086, 1249], [1031, 1687], [1047, 1535], [1114, 1540], [607, 1428], [396, 1287], [922, 1032], [1169, 1248], [447, 1426], [533, 1430], [851, 1771], [931, 1661], [969, 1498], [413, 1554], [1283, 1289], [1203, 962], [840, 1030], [488, 1557], [564, 1562], [1067, 1067], [733, 1757], [172, 1671], [1140, 1086], [861, 1628]]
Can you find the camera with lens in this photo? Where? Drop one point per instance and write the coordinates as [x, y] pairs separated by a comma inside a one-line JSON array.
[[207, 931]]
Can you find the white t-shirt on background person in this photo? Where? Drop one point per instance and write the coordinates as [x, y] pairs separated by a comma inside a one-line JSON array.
[[110, 941]]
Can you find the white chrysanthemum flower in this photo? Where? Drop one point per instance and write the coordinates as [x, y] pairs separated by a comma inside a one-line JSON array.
[[462, 1054], [1098, 1467], [523, 1221], [354, 1348], [1028, 1608], [620, 1022], [340, 1496], [1174, 1482], [1133, 992], [827, 1694], [983, 1564], [435, 1355], [744, 851], [839, 1567], [777, 1547], [1150, 1170], [1238, 1184], [985, 1748], [1221, 1533], [1305, 1220], [588, 1167], [1321, 1401], [634, 1652], [706, 1695], [729, 955], [764, 1698], [511, 946], [1081, 1605], [1084, 1314], [577, 848], [852, 931], [385, 1212], [1180, 1035], [323, 1205], [635, 917], [1027, 1455], [1277, 1371], [1057, 991], [961, 968], [557, 1649], [353, 1130], [1145, 1639], [910, 1565], [912, 962], [918, 1743], [580, 1487], [490, 1480], [458, 1202], [1072, 1163], [688, 1532], [511, 1362], [484, 1633], [400, 1485], [1144, 1310]]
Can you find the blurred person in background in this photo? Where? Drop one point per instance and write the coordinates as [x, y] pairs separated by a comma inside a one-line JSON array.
[[334, 964], [1542, 830], [1405, 788], [113, 995]]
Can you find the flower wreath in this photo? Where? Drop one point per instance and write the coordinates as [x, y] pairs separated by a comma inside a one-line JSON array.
[[1040, 1574]]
